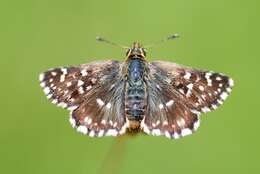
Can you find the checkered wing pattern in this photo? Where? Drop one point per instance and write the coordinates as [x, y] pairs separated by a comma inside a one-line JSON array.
[[94, 94], [177, 95]]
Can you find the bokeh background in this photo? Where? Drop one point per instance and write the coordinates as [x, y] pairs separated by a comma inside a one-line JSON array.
[[36, 136]]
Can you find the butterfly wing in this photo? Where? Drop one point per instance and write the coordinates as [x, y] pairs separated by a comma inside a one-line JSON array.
[[177, 95], [204, 90], [93, 92]]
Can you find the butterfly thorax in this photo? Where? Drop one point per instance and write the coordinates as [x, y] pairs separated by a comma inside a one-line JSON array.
[[135, 96]]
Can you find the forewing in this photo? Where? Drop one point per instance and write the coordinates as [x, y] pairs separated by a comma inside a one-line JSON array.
[[177, 95], [94, 94], [203, 90]]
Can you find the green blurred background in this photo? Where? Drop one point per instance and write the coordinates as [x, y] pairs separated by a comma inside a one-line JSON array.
[[36, 35]]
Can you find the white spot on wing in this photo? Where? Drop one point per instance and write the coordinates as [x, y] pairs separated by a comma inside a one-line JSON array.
[[69, 84], [185, 132], [81, 90], [64, 70], [220, 102], [82, 129], [181, 122], [187, 75], [231, 82], [196, 124], [201, 88], [168, 80], [92, 133], [89, 121], [156, 132], [169, 103], [181, 90], [62, 104], [224, 95], [103, 122], [101, 133], [218, 78], [195, 112], [160, 105], [190, 86], [46, 90], [167, 134], [41, 77], [72, 121], [72, 108], [111, 132], [100, 102], [115, 124], [228, 89], [43, 84], [53, 73], [55, 101], [205, 109], [165, 123], [209, 82], [88, 87], [93, 80], [214, 106], [62, 78], [84, 72], [80, 83], [188, 93], [86, 119], [208, 74], [108, 106], [144, 127], [176, 135]]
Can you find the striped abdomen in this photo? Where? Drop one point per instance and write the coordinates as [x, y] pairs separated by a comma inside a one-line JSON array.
[[135, 97]]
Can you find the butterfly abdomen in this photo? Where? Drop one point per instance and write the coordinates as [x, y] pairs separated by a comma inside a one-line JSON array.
[[135, 97]]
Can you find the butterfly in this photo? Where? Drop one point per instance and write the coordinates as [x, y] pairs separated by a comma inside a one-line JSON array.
[[111, 98]]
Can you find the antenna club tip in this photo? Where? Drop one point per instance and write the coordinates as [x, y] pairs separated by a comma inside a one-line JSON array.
[[174, 36], [98, 38]]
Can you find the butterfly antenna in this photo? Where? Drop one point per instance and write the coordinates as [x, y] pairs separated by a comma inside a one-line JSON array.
[[101, 39], [164, 40]]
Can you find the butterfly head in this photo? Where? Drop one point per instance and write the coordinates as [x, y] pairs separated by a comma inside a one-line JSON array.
[[136, 51]]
